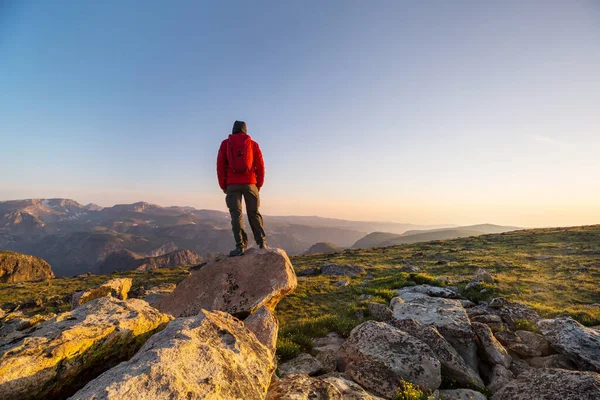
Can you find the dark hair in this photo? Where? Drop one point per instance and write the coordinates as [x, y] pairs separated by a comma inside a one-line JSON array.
[[239, 126]]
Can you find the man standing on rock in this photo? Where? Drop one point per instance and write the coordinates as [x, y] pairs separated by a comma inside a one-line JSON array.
[[241, 173]]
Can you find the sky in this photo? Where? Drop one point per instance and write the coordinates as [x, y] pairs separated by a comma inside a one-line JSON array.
[[429, 112]]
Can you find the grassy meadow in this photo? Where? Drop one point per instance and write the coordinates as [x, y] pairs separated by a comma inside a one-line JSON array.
[[556, 271]]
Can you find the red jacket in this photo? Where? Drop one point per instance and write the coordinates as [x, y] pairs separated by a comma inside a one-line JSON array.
[[227, 177]]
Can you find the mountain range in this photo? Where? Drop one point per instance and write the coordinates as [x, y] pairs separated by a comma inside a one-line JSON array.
[[76, 238]]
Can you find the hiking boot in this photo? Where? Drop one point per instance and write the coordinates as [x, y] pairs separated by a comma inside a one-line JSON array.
[[263, 245], [239, 251]]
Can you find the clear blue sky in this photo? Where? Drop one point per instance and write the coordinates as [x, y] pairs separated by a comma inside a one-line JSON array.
[[429, 112]]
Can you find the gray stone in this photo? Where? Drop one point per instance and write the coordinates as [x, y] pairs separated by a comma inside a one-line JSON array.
[[453, 365], [534, 341], [432, 291], [461, 394], [447, 315], [552, 361], [378, 356], [500, 377], [302, 364], [493, 351], [333, 341], [551, 384], [309, 272], [304, 387], [264, 325], [380, 312], [569, 337], [343, 283]]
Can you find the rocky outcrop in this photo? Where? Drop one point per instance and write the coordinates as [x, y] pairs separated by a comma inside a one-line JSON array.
[[569, 337], [378, 356], [301, 364], [118, 288], [17, 267], [304, 387], [380, 312], [551, 384], [57, 356], [453, 365], [237, 285], [342, 270], [207, 356], [447, 315], [264, 325], [323, 247], [499, 377]]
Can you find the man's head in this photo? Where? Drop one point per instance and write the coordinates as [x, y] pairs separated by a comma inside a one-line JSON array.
[[239, 127]]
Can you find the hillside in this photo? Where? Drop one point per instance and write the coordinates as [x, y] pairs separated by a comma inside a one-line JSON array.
[[17, 267], [378, 239], [76, 238], [125, 260], [323, 247]]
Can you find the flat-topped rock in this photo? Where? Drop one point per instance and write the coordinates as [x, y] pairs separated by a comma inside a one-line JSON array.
[[236, 285], [207, 356], [433, 291]]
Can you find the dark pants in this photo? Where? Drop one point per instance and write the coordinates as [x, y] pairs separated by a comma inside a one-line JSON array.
[[234, 203]]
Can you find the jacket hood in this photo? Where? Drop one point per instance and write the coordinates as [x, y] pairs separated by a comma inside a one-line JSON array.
[[239, 137], [239, 127]]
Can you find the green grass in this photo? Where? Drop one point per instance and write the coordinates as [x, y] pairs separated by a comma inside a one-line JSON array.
[[565, 284]]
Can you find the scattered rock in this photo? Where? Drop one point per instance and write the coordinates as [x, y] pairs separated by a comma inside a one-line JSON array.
[[342, 270], [432, 291], [500, 377], [467, 303], [569, 337], [518, 366], [54, 359], [342, 283], [453, 365], [497, 302], [304, 387], [380, 312], [118, 288], [409, 268], [483, 276], [309, 272], [265, 326], [461, 394], [551, 384], [237, 285], [377, 356], [492, 350], [207, 356], [302, 364], [333, 341], [486, 319], [447, 315]]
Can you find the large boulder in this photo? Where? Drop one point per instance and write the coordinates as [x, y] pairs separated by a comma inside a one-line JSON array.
[[304, 387], [447, 315], [236, 285], [265, 326], [499, 377], [207, 356], [58, 356], [118, 288], [17, 267], [569, 337], [301, 364], [492, 350], [155, 294], [551, 384], [453, 365], [378, 356]]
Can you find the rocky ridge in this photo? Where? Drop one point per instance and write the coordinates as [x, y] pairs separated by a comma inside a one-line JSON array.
[[214, 337]]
